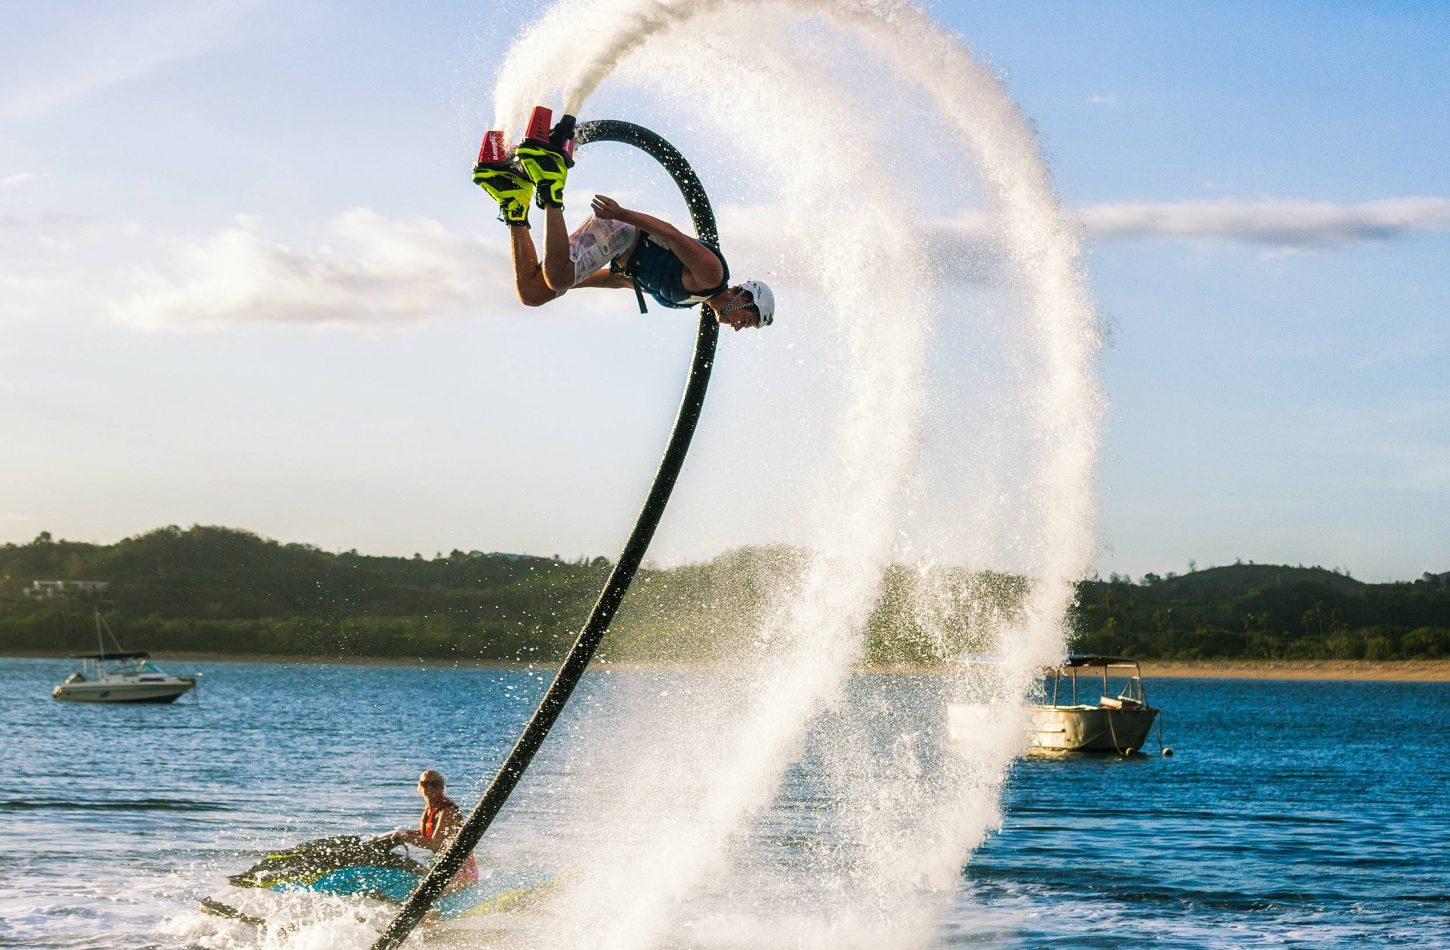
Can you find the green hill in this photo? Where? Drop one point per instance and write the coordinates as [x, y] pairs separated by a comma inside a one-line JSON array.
[[1237, 580], [1264, 611], [224, 590], [228, 591]]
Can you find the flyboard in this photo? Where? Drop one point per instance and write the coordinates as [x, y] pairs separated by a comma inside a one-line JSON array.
[[347, 864]]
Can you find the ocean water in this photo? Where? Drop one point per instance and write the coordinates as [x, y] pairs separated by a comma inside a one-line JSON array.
[[1293, 814]]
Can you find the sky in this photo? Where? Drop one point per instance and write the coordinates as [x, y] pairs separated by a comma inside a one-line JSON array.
[[244, 280]]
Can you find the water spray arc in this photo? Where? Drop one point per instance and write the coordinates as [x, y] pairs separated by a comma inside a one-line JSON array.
[[577, 660], [846, 226]]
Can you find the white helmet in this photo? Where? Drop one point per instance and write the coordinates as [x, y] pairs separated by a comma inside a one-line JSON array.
[[762, 298]]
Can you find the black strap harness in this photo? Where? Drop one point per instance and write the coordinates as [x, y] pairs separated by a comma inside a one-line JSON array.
[[631, 270]]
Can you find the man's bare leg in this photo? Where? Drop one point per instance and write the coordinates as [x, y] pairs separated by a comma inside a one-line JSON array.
[[558, 268], [534, 291], [546, 163]]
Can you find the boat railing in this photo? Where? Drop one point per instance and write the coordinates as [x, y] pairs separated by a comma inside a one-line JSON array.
[[1131, 695]]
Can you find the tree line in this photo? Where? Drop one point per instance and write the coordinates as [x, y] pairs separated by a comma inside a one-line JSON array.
[[1264, 611], [222, 590]]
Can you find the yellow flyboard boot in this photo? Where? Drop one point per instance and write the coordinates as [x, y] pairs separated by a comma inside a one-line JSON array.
[[547, 155], [503, 181]]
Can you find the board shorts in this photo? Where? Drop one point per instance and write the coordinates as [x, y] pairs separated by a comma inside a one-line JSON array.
[[596, 242]]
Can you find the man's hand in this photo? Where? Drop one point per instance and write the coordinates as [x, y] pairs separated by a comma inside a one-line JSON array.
[[607, 209]]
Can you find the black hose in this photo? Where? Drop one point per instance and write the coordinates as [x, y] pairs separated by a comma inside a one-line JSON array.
[[572, 669]]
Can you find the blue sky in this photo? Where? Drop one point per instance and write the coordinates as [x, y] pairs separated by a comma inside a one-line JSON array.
[[1266, 190]]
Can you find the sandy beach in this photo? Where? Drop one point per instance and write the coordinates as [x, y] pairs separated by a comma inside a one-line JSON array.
[[1405, 671]]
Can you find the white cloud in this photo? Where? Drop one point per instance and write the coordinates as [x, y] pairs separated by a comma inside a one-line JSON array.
[[374, 271], [1101, 100], [1281, 224], [19, 178]]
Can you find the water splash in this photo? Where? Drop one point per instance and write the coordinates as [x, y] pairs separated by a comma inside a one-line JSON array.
[[704, 770]]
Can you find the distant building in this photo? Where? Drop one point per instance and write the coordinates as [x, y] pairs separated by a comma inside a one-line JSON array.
[[46, 590]]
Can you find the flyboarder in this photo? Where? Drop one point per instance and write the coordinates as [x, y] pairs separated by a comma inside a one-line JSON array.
[[438, 824], [614, 247]]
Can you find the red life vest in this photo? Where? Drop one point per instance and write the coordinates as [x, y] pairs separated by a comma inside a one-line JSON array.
[[429, 822]]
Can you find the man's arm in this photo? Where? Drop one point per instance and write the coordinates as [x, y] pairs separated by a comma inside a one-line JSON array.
[[701, 265], [603, 278]]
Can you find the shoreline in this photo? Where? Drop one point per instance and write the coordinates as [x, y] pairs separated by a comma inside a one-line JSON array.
[[1382, 671], [1387, 671]]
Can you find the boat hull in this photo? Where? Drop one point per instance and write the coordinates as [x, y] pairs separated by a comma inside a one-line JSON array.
[[1090, 728], [102, 692]]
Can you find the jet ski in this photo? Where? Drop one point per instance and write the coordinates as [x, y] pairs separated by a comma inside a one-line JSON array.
[[362, 871]]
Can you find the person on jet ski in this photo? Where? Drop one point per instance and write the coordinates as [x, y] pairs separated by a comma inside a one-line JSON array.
[[439, 822]]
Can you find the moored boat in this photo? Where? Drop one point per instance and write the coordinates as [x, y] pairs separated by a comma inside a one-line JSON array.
[[1069, 718], [1114, 722], [120, 676]]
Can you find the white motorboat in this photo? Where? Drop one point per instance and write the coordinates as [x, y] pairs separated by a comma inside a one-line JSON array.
[[1117, 720], [120, 676]]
